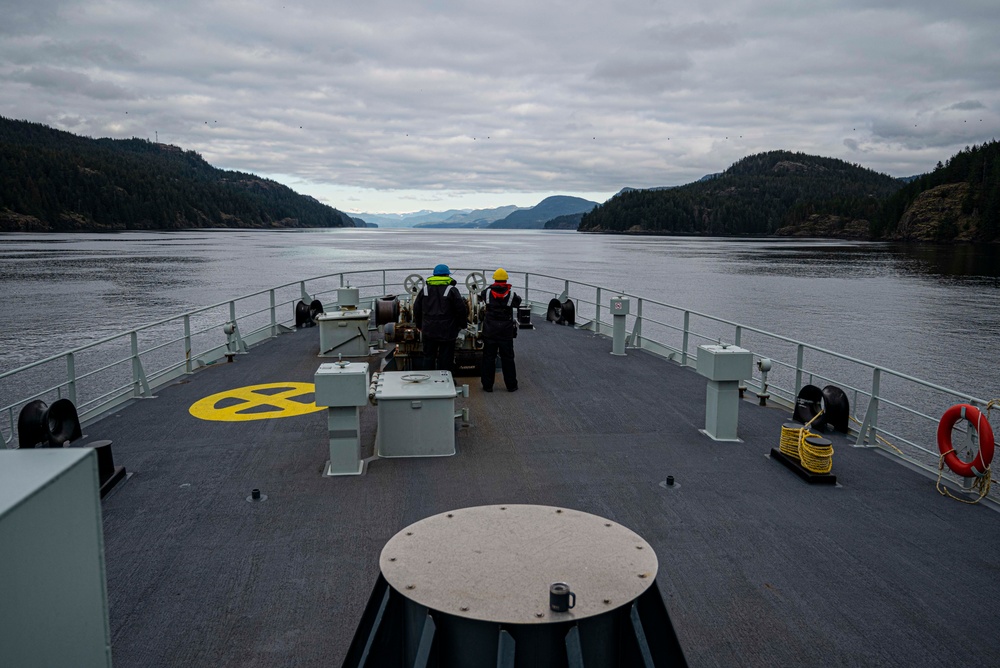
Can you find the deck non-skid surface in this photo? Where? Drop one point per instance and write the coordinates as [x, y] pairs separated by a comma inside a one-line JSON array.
[[757, 568]]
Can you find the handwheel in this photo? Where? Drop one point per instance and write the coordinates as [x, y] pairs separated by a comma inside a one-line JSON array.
[[413, 283], [475, 282]]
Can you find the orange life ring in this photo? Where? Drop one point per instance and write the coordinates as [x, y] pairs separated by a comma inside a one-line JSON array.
[[977, 467]]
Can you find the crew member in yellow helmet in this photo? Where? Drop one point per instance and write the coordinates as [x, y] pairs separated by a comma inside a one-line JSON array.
[[499, 330]]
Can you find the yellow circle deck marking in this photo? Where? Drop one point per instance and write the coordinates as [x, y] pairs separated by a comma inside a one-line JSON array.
[[253, 404]]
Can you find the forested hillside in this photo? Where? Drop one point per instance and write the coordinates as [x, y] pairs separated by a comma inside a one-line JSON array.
[[56, 181], [760, 194], [960, 200]]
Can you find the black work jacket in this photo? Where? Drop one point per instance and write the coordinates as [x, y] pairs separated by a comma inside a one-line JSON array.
[[439, 311], [501, 301]]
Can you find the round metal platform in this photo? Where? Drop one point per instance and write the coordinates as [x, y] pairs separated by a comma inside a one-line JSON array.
[[496, 563]]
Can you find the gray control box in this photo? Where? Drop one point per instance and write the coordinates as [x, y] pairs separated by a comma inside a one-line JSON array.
[[342, 385], [725, 367], [725, 362]]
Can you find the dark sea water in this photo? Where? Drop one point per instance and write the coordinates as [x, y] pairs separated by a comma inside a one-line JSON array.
[[930, 311]]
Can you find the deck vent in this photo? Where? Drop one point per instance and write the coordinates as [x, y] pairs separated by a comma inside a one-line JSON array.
[[513, 586]]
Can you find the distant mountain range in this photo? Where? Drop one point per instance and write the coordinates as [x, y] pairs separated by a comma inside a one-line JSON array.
[[452, 218], [501, 218], [57, 181], [549, 208], [471, 219], [391, 220]]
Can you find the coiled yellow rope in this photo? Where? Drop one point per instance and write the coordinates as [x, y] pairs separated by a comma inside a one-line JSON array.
[[816, 458], [791, 434], [817, 454]]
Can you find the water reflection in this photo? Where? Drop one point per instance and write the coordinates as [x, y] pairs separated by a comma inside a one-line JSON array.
[[962, 263]]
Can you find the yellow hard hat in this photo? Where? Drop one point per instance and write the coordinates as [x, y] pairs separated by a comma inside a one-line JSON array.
[[500, 275]]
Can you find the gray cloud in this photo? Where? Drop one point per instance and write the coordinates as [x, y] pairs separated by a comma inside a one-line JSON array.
[[68, 81], [648, 72], [29, 16], [42, 51], [967, 105], [698, 35], [520, 96]]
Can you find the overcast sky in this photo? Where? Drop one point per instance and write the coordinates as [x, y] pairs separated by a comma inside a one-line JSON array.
[[401, 105]]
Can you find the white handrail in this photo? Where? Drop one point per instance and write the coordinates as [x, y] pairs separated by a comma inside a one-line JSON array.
[[657, 314]]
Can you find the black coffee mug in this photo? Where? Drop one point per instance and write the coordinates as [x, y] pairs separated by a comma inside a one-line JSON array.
[[561, 599]]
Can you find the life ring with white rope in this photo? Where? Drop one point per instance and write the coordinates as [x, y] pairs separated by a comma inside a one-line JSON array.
[[981, 462]]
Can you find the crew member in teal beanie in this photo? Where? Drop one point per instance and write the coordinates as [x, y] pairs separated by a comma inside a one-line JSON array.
[[440, 313]]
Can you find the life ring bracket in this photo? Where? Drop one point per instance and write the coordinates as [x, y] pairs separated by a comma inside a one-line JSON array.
[[980, 464]]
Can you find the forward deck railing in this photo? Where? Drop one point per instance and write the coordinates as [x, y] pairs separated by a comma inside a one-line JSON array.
[[893, 411]]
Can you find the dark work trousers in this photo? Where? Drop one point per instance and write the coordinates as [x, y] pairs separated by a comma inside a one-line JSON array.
[[506, 349], [439, 355]]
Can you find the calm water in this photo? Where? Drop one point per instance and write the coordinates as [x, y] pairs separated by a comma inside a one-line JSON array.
[[929, 311]]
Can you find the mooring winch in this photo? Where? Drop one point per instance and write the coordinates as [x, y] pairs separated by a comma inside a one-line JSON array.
[[395, 317]]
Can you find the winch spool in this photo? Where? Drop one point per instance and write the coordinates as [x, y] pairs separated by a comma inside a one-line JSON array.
[[386, 310]]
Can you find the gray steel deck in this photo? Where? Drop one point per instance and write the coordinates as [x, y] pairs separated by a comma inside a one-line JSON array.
[[757, 568]]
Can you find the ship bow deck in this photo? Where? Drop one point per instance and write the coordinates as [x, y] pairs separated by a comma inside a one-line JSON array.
[[757, 567]]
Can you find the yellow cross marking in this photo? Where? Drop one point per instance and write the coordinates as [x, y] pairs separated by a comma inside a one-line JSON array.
[[252, 404]]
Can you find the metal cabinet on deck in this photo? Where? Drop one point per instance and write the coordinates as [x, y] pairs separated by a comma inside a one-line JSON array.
[[53, 593], [416, 414], [343, 333]]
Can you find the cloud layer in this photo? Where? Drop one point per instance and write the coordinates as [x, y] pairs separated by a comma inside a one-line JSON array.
[[367, 104]]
